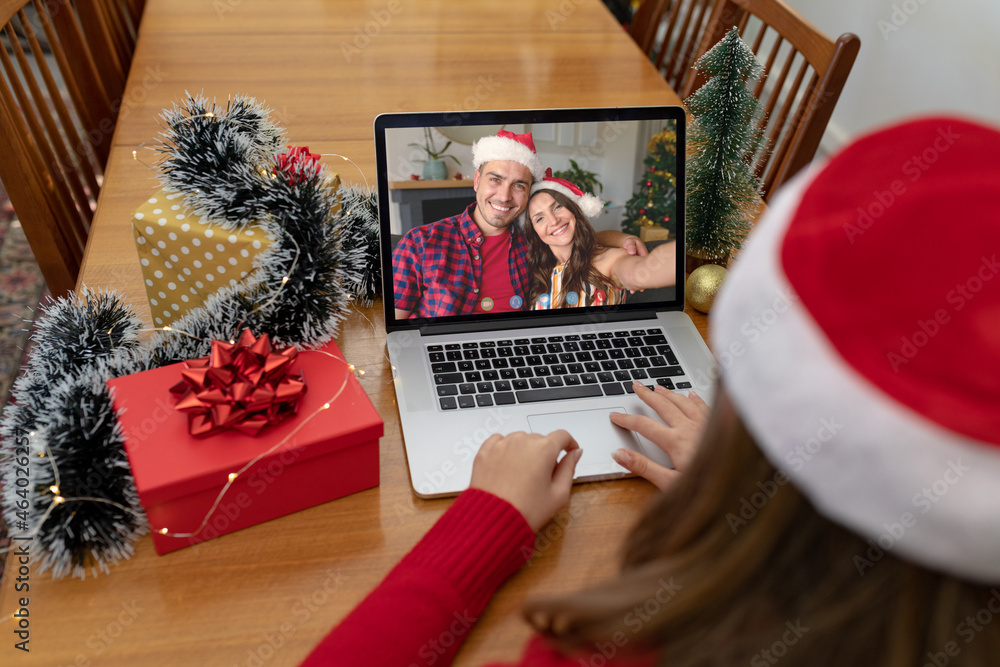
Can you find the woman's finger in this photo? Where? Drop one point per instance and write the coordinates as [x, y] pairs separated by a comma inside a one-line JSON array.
[[556, 442], [640, 465], [562, 478], [644, 426], [666, 409], [686, 405], [700, 402]]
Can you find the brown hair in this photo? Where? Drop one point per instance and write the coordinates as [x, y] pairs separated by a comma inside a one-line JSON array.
[[733, 565], [579, 271]]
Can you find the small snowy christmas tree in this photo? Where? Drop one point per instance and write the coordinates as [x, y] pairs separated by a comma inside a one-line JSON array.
[[722, 190]]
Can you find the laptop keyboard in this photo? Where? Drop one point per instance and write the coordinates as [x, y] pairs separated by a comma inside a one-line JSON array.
[[508, 371]]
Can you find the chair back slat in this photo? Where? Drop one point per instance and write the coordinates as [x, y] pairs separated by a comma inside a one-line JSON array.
[[686, 47], [668, 38], [99, 24], [63, 67], [54, 100], [670, 33], [646, 22], [768, 65], [48, 135], [57, 256], [778, 121], [36, 128], [797, 111], [81, 74]]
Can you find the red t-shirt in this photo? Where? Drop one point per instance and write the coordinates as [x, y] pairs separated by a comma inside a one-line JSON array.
[[496, 294]]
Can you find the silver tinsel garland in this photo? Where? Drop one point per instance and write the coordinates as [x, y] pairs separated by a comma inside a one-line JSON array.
[[79, 502]]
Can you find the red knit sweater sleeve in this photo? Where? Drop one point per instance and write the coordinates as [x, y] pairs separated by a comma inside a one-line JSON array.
[[423, 610]]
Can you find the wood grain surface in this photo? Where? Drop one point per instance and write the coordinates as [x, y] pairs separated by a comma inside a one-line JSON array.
[[267, 594]]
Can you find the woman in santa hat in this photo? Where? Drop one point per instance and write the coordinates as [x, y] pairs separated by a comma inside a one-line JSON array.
[[842, 505], [568, 267]]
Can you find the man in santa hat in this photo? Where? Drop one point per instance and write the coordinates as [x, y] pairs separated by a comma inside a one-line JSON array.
[[476, 262]]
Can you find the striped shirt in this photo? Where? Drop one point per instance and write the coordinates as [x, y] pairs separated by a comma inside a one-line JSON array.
[[595, 295], [437, 269]]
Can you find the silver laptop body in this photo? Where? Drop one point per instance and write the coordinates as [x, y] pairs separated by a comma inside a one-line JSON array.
[[442, 430]]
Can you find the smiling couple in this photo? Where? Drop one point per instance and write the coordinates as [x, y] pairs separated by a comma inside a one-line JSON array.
[[525, 243]]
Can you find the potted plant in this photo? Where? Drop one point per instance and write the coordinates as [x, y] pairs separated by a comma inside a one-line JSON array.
[[434, 166], [583, 179]]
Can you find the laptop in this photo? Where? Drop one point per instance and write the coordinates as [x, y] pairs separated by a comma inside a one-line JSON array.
[[461, 378]]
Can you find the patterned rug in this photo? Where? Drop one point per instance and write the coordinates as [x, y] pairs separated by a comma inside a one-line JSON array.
[[22, 288]]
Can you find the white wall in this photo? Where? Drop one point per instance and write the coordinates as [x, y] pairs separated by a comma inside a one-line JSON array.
[[610, 152], [917, 57]]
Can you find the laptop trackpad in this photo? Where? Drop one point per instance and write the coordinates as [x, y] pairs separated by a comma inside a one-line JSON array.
[[595, 433]]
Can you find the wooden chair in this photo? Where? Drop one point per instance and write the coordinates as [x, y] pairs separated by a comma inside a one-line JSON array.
[[804, 74], [670, 32], [62, 75]]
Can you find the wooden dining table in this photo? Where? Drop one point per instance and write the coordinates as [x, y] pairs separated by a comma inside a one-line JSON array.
[[267, 594]]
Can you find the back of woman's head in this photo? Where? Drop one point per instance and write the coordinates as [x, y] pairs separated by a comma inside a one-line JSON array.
[[843, 507], [734, 566]]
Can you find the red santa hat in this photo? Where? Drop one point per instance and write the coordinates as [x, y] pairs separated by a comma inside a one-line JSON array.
[[859, 338], [508, 146], [588, 203]]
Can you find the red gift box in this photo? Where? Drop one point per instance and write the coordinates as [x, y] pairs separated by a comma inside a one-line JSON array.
[[326, 453]]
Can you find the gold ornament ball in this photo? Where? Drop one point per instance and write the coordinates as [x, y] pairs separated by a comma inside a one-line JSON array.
[[703, 284]]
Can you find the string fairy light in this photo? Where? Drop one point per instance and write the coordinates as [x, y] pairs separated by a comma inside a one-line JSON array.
[[233, 476], [56, 494], [344, 157], [186, 119], [385, 353]]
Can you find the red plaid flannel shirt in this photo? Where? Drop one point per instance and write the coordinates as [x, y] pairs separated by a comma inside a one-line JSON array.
[[437, 269]]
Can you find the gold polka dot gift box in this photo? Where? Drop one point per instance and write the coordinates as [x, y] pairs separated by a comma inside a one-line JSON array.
[[184, 260]]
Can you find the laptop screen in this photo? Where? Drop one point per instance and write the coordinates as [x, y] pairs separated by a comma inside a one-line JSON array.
[[467, 245]]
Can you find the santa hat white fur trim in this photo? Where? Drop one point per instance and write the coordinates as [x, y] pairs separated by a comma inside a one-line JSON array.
[[588, 203], [901, 481], [495, 147]]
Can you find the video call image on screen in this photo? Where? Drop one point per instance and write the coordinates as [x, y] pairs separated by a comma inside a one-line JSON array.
[[629, 165]]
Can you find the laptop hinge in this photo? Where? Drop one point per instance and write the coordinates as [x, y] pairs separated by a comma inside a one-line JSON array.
[[536, 322]]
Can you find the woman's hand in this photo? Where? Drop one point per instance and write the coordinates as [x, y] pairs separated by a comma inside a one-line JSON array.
[[522, 469], [633, 245], [678, 434]]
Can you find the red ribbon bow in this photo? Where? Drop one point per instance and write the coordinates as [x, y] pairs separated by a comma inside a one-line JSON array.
[[245, 385], [297, 164]]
